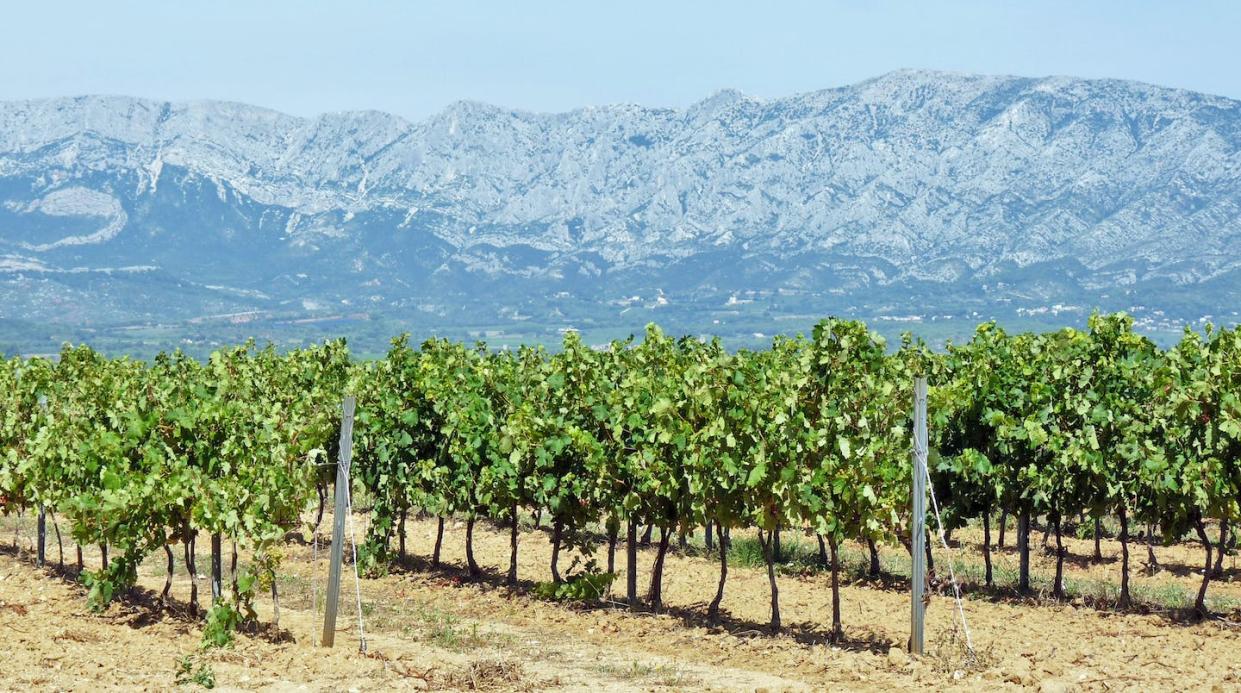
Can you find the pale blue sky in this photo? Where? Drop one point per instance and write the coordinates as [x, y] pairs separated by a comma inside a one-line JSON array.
[[414, 58]]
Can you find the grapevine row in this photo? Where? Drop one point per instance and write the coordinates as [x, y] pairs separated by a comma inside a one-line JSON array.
[[810, 434]]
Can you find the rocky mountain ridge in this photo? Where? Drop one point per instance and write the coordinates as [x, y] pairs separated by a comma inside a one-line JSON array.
[[914, 194]]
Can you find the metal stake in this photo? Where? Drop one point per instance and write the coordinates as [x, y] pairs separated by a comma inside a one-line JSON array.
[[338, 522], [918, 539]]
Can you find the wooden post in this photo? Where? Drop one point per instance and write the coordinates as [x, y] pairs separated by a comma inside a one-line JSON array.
[[338, 522], [918, 538]]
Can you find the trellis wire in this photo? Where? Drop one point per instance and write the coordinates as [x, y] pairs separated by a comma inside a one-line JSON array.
[[357, 581], [956, 588]]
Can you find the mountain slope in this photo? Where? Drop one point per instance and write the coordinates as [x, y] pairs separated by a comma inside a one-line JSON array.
[[912, 195]]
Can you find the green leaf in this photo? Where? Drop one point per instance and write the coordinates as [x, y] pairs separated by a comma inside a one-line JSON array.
[[757, 474]]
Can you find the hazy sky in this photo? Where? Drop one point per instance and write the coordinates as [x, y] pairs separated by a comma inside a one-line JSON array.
[[414, 58]]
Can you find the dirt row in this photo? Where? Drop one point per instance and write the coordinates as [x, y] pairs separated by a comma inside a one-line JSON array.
[[437, 629]]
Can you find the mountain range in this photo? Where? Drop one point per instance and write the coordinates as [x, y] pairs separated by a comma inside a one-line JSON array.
[[917, 200]]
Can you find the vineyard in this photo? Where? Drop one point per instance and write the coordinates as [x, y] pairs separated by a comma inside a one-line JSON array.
[[643, 441]]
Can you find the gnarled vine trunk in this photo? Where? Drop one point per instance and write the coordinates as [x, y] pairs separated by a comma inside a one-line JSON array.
[[930, 557], [1123, 516], [655, 592], [838, 630], [275, 603], [217, 571], [1058, 589], [470, 564], [1098, 537], [557, 532], [232, 570], [60, 545], [613, 531], [768, 541], [631, 564], [163, 596], [189, 539], [713, 611], [400, 534], [321, 490], [1023, 550], [41, 551], [1200, 604], [874, 570], [1152, 563], [986, 546], [439, 543], [1221, 548], [511, 579]]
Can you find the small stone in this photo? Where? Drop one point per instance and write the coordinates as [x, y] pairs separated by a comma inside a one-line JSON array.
[[897, 657], [1018, 672], [1053, 686]]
